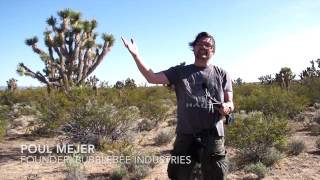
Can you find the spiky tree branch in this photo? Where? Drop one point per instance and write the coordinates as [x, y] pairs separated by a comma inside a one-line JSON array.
[[73, 53]]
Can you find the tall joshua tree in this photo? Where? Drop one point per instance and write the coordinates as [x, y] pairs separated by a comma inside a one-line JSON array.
[[72, 52], [12, 84], [311, 72], [285, 77]]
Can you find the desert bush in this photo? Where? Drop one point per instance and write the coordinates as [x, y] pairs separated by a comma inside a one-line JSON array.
[[121, 147], [316, 117], [27, 96], [81, 113], [155, 110], [4, 117], [295, 147], [55, 111], [20, 109], [315, 129], [271, 100], [154, 102], [310, 88], [271, 157], [281, 145], [118, 173], [75, 170], [172, 121], [259, 169], [146, 125], [301, 118], [140, 171], [135, 169], [163, 137], [255, 133], [318, 143]]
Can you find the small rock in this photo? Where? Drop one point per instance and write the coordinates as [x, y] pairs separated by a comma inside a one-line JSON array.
[[250, 176]]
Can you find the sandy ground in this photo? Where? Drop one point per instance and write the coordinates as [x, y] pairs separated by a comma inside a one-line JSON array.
[[304, 166]]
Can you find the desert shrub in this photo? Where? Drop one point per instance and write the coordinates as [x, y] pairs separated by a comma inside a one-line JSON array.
[[118, 173], [26, 96], [81, 113], [316, 105], [140, 171], [310, 88], [254, 133], [315, 129], [146, 125], [296, 147], [135, 168], [271, 157], [163, 137], [301, 118], [318, 143], [55, 111], [259, 169], [316, 117], [154, 102], [75, 170], [155, 110], [20, 109], [271, 100], [105, 119], [4, 111], [172, 121], [281, 145], [121, 147]]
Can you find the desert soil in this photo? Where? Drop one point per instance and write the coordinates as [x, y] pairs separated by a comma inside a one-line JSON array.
[[304, 166]]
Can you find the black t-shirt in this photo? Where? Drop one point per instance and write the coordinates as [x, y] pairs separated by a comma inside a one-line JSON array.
[[195, 113]]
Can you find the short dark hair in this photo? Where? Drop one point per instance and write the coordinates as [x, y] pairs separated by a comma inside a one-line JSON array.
[[201, 35]]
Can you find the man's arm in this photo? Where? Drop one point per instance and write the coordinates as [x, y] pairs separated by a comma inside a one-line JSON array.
[[151, 77]]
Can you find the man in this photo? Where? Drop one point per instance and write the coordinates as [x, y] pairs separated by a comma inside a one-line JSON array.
[[200, 132]]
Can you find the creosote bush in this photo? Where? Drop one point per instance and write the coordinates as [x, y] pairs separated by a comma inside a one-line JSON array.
[[75, 169], [255, 133], [164, 137], [259, 169], [271, 100], [296, 147], [271, 157], [118, 173], [4, 116]]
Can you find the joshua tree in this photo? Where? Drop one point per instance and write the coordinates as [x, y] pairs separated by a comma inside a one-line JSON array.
[[129, 83], [119, 85], [12, 84], [72, 52], [104, 84], [92, 82], [267, 79], [311, 72], [284, 77], [238, 81]]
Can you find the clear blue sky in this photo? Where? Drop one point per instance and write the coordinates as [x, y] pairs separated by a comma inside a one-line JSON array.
[[253, 38]]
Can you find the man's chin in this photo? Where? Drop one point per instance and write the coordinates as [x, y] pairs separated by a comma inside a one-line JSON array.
[[204, 57]]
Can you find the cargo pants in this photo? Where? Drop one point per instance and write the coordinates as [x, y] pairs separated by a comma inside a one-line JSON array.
[[208, 150]]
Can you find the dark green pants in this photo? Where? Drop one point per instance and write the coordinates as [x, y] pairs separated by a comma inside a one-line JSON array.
[[209, 151]]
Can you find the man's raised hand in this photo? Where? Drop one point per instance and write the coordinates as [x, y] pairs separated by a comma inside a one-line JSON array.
[[131, 46]]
